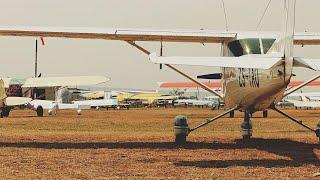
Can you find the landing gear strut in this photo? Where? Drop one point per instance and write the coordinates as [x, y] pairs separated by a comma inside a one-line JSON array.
[[316, 131], [246, 126]]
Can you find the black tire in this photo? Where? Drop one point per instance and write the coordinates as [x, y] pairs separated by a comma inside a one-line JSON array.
[[181, 139], [39, 111], [265, 113], [246, 137], [231, 114], [318, 132], [5, 112]]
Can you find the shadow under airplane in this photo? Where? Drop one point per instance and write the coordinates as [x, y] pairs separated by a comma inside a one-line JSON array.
[[299, 153]]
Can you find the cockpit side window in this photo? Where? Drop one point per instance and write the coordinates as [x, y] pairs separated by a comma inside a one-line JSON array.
[[236, 48], [267, 43], [249, 46]]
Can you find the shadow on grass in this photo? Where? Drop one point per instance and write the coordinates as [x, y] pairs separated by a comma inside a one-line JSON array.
[[299, 153]]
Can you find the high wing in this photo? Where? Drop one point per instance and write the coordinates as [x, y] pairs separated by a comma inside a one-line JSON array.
[[235, 62], [15, 101], [165, 35], [64, 81], [203, 36]]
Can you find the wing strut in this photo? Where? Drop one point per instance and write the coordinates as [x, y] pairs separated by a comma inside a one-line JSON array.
[[292, 90], [205, 87]]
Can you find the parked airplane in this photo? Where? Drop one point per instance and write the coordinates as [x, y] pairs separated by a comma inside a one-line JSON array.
[[59, 83], [304, 100], [107, 101], [148, 98], [256, 67]]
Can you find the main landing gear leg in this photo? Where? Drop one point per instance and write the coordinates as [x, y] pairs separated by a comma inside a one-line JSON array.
[[246, 126], [316, 131], [182, 130]]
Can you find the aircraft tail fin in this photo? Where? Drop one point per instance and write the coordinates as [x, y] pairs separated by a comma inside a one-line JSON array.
[[284, 43]]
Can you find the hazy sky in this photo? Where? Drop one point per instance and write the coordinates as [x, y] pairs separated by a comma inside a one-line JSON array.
[[126, 66]]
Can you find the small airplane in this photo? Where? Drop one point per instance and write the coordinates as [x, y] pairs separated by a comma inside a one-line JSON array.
[[256, 66], [59, 83], [95, 100], [147, 98], [304, 100]]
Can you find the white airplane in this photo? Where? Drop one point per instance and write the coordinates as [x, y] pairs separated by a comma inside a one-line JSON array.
[[59, 83], [256, 66], [304, 100]]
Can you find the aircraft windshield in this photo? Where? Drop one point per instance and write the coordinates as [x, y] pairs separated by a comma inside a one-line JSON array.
[[249, 46]]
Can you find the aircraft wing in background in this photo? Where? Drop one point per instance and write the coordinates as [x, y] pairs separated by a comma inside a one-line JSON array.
[[64, 81]]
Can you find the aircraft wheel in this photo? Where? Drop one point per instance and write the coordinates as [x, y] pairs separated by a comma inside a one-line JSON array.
[[246, 137], [318, 133], [39, 111], [5, 112], [231, 114], [265, 113], [318, 130], [181, 129], [181, 139]]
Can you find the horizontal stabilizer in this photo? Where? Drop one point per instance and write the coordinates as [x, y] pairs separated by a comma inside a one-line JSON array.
[[64, 81], [16, 101], [313, 64], [210, 76], [235, 62]]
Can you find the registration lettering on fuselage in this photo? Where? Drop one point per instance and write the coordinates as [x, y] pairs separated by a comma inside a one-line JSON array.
[[248, 77]]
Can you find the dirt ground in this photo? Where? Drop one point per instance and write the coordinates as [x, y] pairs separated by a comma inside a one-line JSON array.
[[138, 144]]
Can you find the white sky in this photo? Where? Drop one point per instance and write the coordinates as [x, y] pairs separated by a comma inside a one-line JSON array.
[[126, 66]]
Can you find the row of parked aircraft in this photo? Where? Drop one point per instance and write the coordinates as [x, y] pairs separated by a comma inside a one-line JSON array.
[[256, 67]]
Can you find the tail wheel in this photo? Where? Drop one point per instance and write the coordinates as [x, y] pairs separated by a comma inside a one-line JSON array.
[[39, 111]]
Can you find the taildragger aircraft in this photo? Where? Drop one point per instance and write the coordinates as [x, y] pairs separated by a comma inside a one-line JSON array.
[[256, 66]]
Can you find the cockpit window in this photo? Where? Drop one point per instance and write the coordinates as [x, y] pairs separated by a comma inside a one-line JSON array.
[[249, 46], [267, 43]]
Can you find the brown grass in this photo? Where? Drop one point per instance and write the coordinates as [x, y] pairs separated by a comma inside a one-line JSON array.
[[138, 144]]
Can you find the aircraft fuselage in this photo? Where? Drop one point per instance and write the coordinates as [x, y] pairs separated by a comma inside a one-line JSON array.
[[254, 89]]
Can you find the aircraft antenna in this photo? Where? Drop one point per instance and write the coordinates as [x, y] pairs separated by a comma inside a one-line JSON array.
[[264, 13], [225, 15], [294, 16]]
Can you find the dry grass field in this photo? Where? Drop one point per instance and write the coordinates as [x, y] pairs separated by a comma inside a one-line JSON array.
[[138, 144]]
